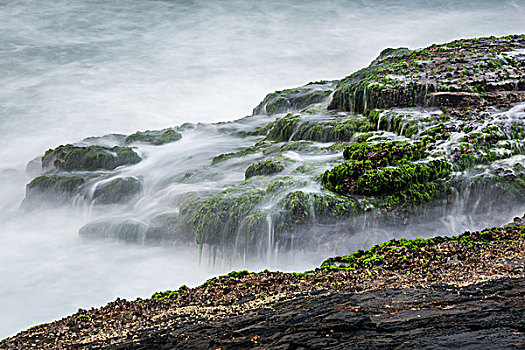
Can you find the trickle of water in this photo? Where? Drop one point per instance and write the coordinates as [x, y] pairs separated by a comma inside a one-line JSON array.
[[271, 243]]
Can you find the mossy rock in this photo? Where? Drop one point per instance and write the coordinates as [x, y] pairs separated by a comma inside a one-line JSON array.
[[216, 220], [302, 208], [76, 158], [411, 199], [129, 231], [54, 189], [244, 152], [297, 210], [319, 130], [119, 190], [386, 153], [502, 191], [155, 137], [283, 184], [294, 99], [332, 130], [391, 254], [362, 178], [252, 236], [133, 231], [234, 220], [329, 209], [263, 167], [461, 73], [281, 129]]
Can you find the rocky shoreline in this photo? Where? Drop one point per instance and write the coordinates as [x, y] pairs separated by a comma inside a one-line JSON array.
[[415, 138], [370, 150], [463, 291]]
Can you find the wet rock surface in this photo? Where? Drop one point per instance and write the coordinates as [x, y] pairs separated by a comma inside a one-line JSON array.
[[413, 139], [463, 292], [478, 316], [408, 144], [479, 71]]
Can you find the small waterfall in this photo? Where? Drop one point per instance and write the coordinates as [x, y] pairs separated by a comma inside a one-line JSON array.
[[269, 253], [365, 100], [455, 216], [403, 127], [379, 121]]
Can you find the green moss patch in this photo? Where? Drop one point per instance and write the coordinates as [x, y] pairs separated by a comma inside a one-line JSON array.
[[396, 253], [386, 153], [75, 158], [459, 73], [156, 137], [55, 189], [264, 167], [119, 190]]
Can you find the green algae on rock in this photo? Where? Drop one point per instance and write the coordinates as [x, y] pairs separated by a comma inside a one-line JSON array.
[[154, 137], [86, 162], [264, 167], [403, 141], [395, 253], [119, 190], [463, 72], [56, 189], [75, 158], [294, 99]]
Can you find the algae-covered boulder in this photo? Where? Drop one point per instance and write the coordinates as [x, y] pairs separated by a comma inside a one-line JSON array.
[[362, 178], [54, 189], [265, 167], [119, 190], [76, 158], [383, 168], [240, 221], [461, 73], [294, 99], [329, 128], [154, 137], [61, 188], [216, 220]]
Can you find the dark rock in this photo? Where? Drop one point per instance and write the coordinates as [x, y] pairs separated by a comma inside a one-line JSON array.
[[51, 189], [265, 167], [119, 190], [154, 137], [294, 99], [477, 316], [436, 76], [76, 158]]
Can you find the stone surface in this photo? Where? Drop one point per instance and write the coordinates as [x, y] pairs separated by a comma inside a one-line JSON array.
[[465, 292]]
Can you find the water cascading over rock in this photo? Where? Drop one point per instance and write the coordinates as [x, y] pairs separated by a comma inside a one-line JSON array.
[[428, 140]]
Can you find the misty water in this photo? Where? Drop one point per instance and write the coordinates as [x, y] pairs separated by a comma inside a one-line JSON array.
[[74, 69]]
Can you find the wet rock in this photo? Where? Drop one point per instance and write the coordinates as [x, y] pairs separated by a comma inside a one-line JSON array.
[[119, 190], [129, 231], [77, 158], [266, 167], [52, 190], [294, 99], [453, 74], [154, 137], [476, 316]]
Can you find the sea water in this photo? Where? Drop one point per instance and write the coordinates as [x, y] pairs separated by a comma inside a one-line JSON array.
[[74, 69]]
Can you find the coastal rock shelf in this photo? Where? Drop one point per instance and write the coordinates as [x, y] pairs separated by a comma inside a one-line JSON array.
[[463, 291], [412, 142], [407, 147]]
